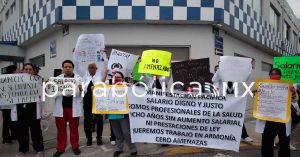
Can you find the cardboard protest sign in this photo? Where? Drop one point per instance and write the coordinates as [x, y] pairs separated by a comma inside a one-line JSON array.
[[184, 119], [122, 61], [191, 71], [106, 102], [65, 86], [272, 102], [235, 69], [155, 62], [20, 88], [290, 68]]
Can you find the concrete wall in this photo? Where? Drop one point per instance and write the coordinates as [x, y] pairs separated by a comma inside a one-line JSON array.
[[8, 50], [198, 37]]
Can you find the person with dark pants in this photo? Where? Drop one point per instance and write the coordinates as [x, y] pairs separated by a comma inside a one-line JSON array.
[[90, 119], [112, 135], [68, 109], [271, 129], [9, 127], [28, 117], [27, 121]]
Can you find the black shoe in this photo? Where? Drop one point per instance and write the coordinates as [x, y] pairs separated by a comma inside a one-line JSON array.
[[117, 153], [57, 154], [165, 145], [89, 142], [99, 142], [134, 154], [77, 151]]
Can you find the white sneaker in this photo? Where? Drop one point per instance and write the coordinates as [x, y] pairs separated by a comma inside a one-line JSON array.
[[247, 139], [40, 154], [113, 143], [292, 148], [20, 154]]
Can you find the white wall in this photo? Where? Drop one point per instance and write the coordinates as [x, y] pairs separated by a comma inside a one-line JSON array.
[[13, 18], [233, 45], [198, 37]]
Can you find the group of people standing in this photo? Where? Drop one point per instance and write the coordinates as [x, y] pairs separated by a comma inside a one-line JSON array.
[[69, 109]]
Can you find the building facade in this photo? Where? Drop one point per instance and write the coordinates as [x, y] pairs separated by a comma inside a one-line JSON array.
[[44, 32]]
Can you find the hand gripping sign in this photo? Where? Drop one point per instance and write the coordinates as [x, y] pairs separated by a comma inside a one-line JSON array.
[[155, 62], [272, 102], [111, 99]]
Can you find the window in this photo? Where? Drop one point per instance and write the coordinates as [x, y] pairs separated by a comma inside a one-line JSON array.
[[266, 66], [38, 61], [274, 16], [255, 5], [13, 7], [295, 39], [7, 15], [286, 31]]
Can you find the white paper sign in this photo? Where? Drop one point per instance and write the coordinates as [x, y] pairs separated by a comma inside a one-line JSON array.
[[110, 103], [235, 69], [63, 84], [88, 48], [122, 61], [20, 88], [272, 101], [180, 119]]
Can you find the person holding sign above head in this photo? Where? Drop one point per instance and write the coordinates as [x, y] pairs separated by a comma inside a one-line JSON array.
[[90, 77], [120, 125], [68, 109], [270, 129], [28, 118]]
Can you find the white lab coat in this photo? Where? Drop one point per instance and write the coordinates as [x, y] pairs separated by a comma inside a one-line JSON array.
[[14, 112], [77, 109]]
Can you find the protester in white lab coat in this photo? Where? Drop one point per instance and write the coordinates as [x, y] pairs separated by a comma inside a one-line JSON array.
[[270, 129], [28, 117], [68, 109]]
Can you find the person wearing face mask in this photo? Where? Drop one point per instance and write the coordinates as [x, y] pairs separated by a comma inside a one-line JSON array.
[[270, 130], [120, 124], [28, 117]]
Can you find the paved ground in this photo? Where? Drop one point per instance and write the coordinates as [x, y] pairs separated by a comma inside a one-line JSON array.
[[106, 150]]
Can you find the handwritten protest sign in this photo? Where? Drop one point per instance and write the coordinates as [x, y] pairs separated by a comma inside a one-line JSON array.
[[290, 68], [155, 62], [106, 102], [65, 86], [235, 69], [184, 119], [122, 61], [20, 88], [88, 47], [273, 100], [191, 71]]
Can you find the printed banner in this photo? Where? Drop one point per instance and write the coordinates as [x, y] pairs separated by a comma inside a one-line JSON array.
[[110, 100], [235, 69], [88, 48], [63, 85], [272, 102], [290, 68], [185, 119], [20, 88], [122, 61], [155, 62], [191, 71]]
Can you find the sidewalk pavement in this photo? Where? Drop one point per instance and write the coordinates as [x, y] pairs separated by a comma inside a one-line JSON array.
[[106, 150]]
